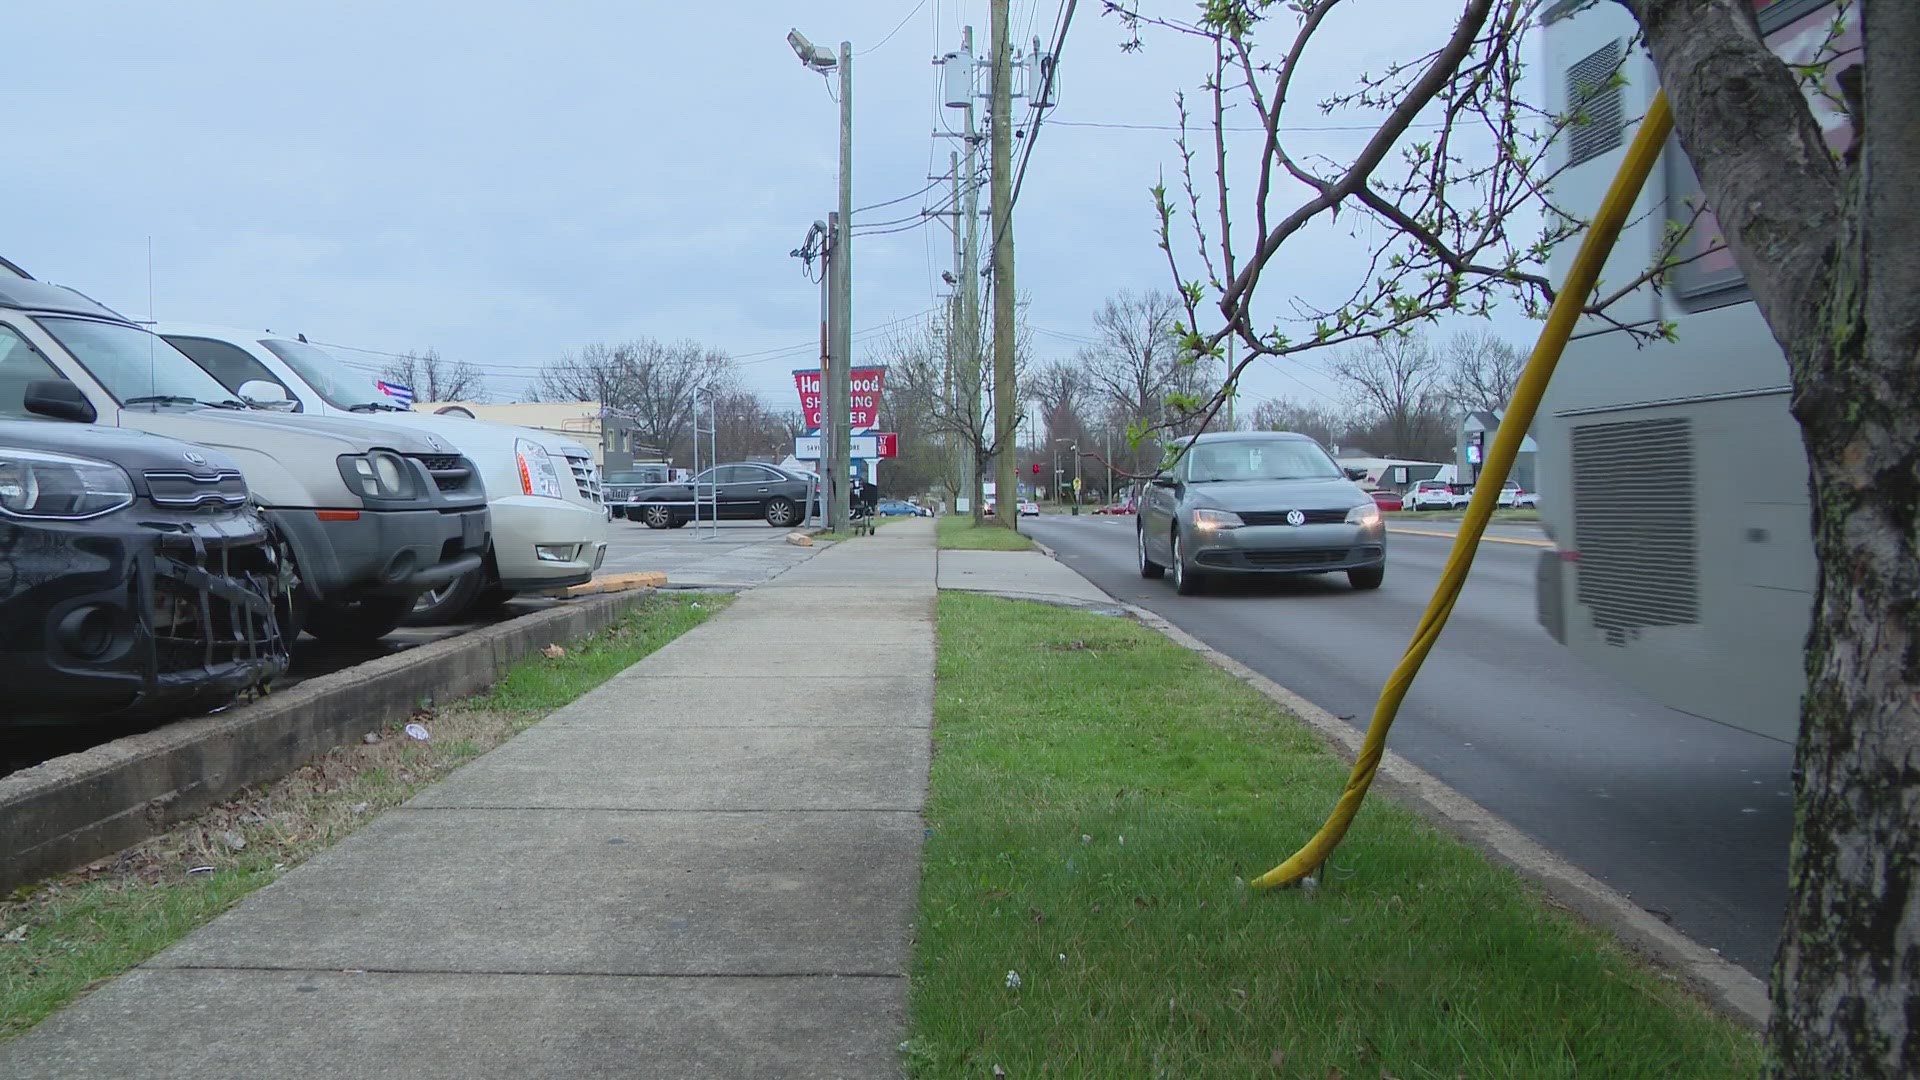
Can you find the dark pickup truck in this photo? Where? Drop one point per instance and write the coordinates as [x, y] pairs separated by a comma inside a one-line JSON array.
[[136, 576]]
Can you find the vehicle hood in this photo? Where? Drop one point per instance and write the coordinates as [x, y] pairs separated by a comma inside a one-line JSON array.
[[135, 451], [1237, 495], [286, 432], [481, 435]]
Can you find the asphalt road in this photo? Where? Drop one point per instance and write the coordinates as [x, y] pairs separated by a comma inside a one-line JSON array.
[[1688, 817]]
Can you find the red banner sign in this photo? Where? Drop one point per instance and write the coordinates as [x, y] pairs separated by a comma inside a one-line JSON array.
[[886, 444], [866, 385]]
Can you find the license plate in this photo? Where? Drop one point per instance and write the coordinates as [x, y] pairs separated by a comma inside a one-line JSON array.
[[473, 531]]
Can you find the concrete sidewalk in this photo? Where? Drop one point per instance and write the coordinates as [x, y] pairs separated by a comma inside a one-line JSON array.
[[1021, 574], [706, 867]]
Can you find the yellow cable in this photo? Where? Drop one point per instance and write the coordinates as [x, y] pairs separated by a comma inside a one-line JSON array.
[[1573, 295]]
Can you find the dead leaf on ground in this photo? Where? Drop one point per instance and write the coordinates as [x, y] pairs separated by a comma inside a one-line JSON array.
[[1277, 1059], [553, 652]]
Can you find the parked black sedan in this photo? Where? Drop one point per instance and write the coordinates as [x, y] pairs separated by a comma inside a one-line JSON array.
[[741, 491]]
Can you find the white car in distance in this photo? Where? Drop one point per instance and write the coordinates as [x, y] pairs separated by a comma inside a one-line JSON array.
[[1433, 495], [549, 524]]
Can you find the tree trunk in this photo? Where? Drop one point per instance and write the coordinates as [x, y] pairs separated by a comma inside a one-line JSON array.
[[1833, 259]]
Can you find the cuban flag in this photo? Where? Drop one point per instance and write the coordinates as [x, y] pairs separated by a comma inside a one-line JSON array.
[[401, 394]]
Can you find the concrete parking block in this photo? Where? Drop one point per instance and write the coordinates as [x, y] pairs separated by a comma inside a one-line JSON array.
[[587, 892], [758, 768], [324, 1025]]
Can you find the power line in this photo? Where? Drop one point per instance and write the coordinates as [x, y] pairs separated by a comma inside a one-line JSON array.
[[1286, 128], [895, 30], [911, 195]]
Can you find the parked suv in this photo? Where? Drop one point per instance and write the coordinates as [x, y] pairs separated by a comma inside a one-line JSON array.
[[620, 485], [371, 516], [135, 575], [1434, 495], [549, 525]]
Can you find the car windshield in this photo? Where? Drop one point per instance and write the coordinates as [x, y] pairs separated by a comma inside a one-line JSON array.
[[1260, 459], [134, 364], [332, 379]]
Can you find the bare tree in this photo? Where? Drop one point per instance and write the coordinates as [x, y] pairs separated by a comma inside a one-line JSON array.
[[1829, 246], [1135, 365], [1482, 368], [645, 383], [1325, 424], [433, 378], [1396, 383], [921, 383]]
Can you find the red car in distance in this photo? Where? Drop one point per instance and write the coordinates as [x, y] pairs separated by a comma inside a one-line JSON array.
[[1118, 506], [1387, 500]]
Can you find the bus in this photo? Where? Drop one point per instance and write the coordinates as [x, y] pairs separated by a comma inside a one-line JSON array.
[[1678, 488]]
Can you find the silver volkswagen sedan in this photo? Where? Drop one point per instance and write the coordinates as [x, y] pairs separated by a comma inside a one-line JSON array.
[[1264, 502]]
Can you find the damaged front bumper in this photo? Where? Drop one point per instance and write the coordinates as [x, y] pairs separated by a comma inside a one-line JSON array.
[[142, 612]]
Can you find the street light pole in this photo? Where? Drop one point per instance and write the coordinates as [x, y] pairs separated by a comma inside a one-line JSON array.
[[836, 450], [841, 393]]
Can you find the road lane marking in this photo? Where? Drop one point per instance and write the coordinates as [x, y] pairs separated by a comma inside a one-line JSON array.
[[1523, 542]]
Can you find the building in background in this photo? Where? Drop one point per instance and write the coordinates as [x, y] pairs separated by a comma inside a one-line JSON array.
[[614, 443], [1476, 438]]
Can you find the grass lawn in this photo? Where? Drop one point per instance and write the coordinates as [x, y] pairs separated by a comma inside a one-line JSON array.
[[958, 532], [102, 920], [1099, 799]]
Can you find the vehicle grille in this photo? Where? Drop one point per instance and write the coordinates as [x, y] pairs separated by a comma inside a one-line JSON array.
[[450, 471], [1286, 557], [1633, 524], [1279, 517], [210, 607], [586, 478], [226, 489]]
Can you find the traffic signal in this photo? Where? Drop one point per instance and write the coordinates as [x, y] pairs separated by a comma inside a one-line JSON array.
[[1036, 468]]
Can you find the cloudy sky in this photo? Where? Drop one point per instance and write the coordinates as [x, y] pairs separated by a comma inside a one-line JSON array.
[[509, 181]]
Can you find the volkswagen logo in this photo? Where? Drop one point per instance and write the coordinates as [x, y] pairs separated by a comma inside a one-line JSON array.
[[194, 458], [1296, 518]]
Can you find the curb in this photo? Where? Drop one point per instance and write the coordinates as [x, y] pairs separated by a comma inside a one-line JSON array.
[[74, 809], [1729, 987], [1521, 541]]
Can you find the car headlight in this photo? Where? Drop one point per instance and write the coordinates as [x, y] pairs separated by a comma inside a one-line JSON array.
[[538, 476], [1366, 514], [1216, 519], [380, 474], [38, 484]]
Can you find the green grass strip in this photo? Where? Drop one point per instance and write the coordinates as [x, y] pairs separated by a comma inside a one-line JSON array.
[[959, 533], [1099, 799]]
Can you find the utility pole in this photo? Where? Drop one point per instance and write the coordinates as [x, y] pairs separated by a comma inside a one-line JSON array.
[[826, 351], [1003, 294], [956, 318], [840, 393], [970, 286]]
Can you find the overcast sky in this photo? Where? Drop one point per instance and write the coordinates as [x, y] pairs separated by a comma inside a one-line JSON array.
[[507, 182]]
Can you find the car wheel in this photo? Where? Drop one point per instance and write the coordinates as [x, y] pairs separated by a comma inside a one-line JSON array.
[[1186, 580], [657, 517], [781, 512], [357, 622], [1148, 568], [1367, 577], [437, 607]]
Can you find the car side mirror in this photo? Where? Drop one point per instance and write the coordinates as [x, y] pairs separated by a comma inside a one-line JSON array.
[[1164, 481], [262, 394], [59, 399]]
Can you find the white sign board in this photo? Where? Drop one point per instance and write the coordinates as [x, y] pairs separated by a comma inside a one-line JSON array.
[[807, 447]]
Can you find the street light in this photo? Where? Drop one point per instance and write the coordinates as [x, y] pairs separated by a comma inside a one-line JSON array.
[[835, 436]]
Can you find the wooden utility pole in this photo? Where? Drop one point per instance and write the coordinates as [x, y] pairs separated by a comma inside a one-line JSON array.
[[1006, 503]]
